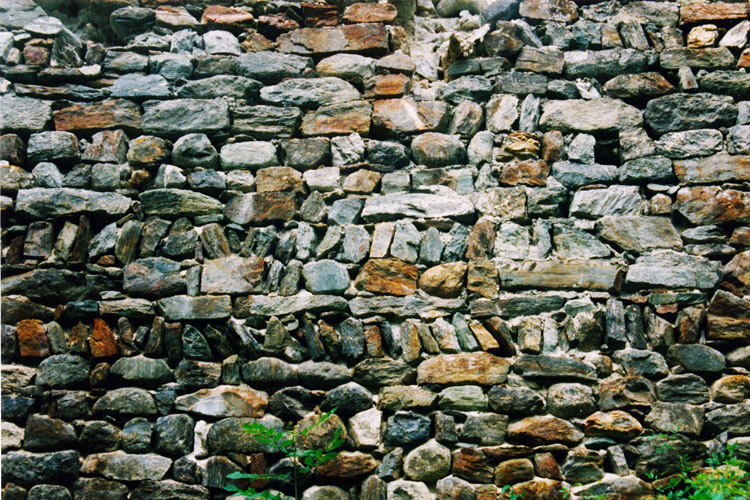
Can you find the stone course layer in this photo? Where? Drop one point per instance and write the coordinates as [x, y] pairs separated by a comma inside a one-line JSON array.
[[508, 240]]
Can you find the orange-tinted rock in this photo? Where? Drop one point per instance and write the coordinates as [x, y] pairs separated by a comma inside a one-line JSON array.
[[445, 280], [713, 205], [261, 207], [397, 116], [514, 471], [528, 172], [519, 146], [148, 151], [317, 15], [391, 276], [475, 367], [255, 42], [370, 13], [614, 424], [387, 86], [227, 18], [338, 119], [481, 240], [174, 17], [367, 39], [731, 389], [713, 169], [485, 339], [98, 116], [546, 466], [544, 430], [552, 146], [362, 182], [482, 278], [32, 338], [279, 179], [78, 339], [744, 60], [728, 318], [472, 465], [549, 10], [102, 341], [273, 25], [737, 270], [538, 489], [348, 465], [718, 11]]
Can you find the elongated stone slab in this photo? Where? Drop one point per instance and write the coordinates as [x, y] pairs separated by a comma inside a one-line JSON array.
[[476, 367], [673, 270], [224, 401], [126, 467], [178, 202], [713, 205], [398, 205], [261, 305], [57, 202], [368, 39], [186, 116], [585, 275], [183, 307], [598, 115], [116, 113], [713, 169], [417, 304]]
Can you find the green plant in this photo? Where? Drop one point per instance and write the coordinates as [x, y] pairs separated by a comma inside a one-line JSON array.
[[512, 495], [303, 460], [726, 478]]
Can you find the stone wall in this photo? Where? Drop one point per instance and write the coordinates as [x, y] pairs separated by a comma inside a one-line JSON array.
[[507, 241]]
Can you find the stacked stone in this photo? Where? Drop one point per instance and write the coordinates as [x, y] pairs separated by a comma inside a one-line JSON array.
[[508, 241]]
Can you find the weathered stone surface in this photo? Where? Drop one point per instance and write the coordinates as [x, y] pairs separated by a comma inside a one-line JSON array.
[[125, 467], [186, 116], [697, 358], [438, 150], [43, 203], [589, 116], [615, 424], [544, 430], [116, 113], [127, 401], [232, 275], [713, 169], [672, 270], [678, 112], [554, 367], [24, 114], [260, 207], [224, 401], [639, 85], [29, 469], [279, 306], [271, 67], [248, 155], [338, 119], [325, 276], [639, 234], [712, 205], [481, 368], [445, 203], [178, 202], [183, 307], [366, 39], [577, 275], [702, 58], [63, 371], [309, 92], [397, 116]]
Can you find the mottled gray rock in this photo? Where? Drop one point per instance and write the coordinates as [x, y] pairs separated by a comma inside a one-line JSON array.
[[679, 112], [173, 435], [134, 86], [615, 200], [125, 467], [687, 388], [444, 203], [126, 401], [428, 462], [325, 276], [271, 67], [676, 417], [639, 234], [178, 202], [29, 469], [604, 64], [647, 169], [43, 203], [575, 175], [139, 370], [406, 428], [570, 400], [697, 358], [589, 116], [309, 92], [673, 270], [186, 116], [52, 146], [63, 371], [221, 42], [194, 150], [24, 114], [642, 362]]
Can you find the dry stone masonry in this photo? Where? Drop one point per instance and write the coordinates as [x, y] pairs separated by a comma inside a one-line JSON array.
[[508, 240]]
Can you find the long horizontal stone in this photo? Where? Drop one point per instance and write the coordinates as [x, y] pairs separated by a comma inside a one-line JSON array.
[[186, 116], [24, 113], [713, 169], [368, 39], [29, 469], [232, 275], [639, 234], [262, 305], [719, 11], [673, 270], [585, 275], [417, 304], [598, 115], [224, 401], [116, 113], [126, 467], [554, 367], [184, 307], [513, 305], [476, 367], [428, 205], [178, 202], [703, 58], [338, 119], [57, 202], [59, 284]]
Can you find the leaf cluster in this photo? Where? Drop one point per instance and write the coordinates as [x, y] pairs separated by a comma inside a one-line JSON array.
[[304, 461]]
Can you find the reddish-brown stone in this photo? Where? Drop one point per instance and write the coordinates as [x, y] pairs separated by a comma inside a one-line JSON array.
[[370, 13], [388, 86], [552, 146], [744, 60], [482, 278], [528, 172], [391, 276], [102, 341], [174, 17], [718, 11], [228, 18], [549, 10], [33, 55], [481, 240], [273, 25], [98, 116], [361, 182], [317, 15], [32, 338], [546, 466], [278, 179], [469, 367], [713, 205], [368, 38], [338, 119], [514, 471], [348, 465], [472, 465], [538, 489], [713, 169], [544, 430]]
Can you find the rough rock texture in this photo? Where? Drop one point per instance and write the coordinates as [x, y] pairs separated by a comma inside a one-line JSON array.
[[508, 240]]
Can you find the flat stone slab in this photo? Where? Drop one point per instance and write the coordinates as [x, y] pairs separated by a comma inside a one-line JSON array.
[[122, 466], [261, 305], [598, 115], [428, 205], [57, 202], [183, 307], [224, 401], [584, 275], [366, 39]]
